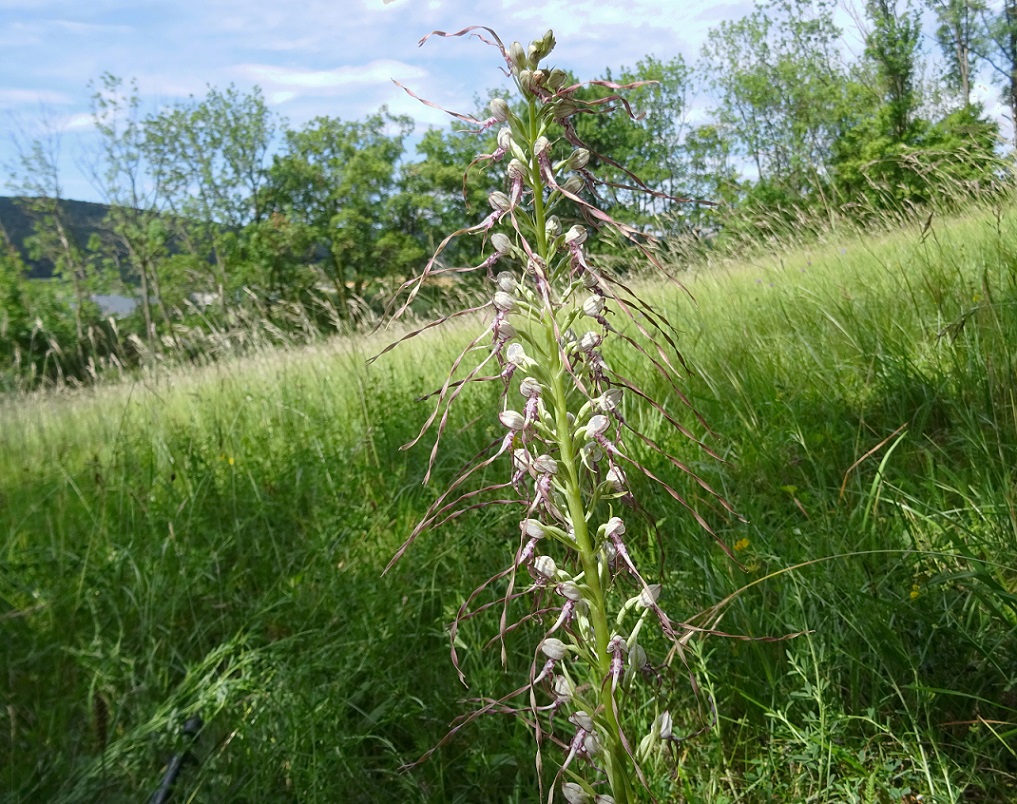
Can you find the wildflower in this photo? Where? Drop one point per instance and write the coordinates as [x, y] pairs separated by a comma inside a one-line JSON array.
[[916, 592], [741, 544]]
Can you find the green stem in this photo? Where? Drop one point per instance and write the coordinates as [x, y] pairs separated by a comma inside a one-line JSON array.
[[618, 761]]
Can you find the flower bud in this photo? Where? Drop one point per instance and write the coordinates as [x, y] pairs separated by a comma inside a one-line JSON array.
[[553, 226], [504, 301], [597, 426], [663, 725], [538, 78], [637, 657], [540, 145], [648, 597], [506, 331], [616, 479], [532, 528], [581, 720], [512, 419], [563, 688], [499, 201], [505, 138], [576, 235], [570, 591], [525, 78], [579, 159], [541, 48], [521, 460], [516, 169], [591, 743], [593, 306], [617, 643], [590, 281], [545, 465], [545, 567], [553, 648], [516, 355], [504, 280], [517, 56], [556, 79], [614, 527], [529, 387], [573, 185], [574, 793], [593, 452], [499, 109], [589, 340]]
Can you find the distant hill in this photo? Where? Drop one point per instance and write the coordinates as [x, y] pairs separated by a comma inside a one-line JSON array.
[[84, 219]]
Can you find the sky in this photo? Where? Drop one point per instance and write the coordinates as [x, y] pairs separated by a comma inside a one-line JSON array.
[[310, 57]]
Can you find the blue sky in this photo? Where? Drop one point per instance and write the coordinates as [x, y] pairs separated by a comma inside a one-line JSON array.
[[310, 57]]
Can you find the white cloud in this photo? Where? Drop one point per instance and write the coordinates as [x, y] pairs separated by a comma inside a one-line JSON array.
[[380, 71], [11, 98]]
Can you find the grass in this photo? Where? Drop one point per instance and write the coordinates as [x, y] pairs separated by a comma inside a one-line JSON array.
[[213, 542]]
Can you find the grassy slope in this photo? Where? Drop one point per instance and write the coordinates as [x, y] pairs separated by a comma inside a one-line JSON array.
[[213, 542]]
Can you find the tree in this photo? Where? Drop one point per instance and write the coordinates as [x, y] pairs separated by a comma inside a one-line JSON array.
[[137, 229], [210, 159], [892, 45], [1000, 52], [338, 180], [780, 85], [960, 35]]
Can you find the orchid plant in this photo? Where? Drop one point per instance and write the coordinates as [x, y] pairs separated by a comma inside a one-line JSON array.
[[552, 311]]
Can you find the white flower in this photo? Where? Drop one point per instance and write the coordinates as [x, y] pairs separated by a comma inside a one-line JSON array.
[[502, 245], [504, 137], [516, 355], [504, 302], [545, 567], [577, 235], [589, 340], [597, 426], [570, 591], [533, 529], [649, 596], [615, 478], [499, 110], [529, 387], [512, 419], [609, 400], [614, 527], [545, 465], [637, 657], [554, 648], [593, 306], [574, 794]]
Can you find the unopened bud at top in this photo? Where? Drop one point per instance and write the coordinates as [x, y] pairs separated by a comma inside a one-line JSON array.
[[517, 56], [541, 48], [499, 109]]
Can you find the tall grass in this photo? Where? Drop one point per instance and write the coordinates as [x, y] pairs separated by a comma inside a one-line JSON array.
[[212, 541]]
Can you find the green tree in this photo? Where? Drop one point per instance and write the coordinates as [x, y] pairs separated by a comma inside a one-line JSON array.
[[781, 88], [210, 160], [338, 180], [137, 228], [892, 44], [960, 34]]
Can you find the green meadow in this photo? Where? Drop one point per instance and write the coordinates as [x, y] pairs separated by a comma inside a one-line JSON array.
[[211, 541]]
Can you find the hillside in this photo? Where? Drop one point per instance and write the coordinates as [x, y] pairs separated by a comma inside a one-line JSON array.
[[84, 217]]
